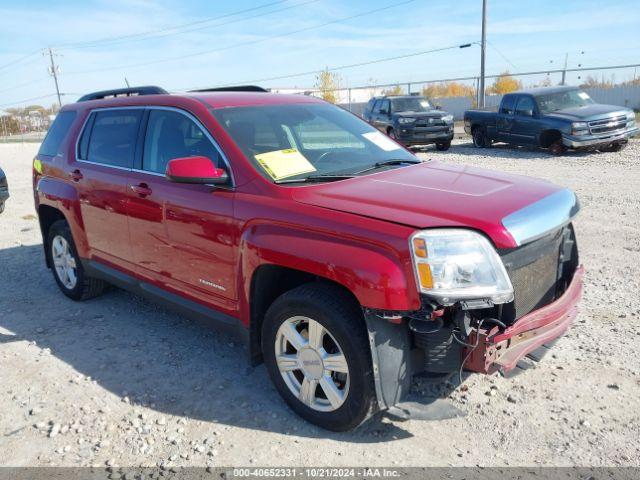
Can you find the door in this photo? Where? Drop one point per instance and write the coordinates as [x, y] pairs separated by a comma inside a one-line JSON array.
[[524, 127], [182, 235], [504, 120], [381, 114], [104, 160]]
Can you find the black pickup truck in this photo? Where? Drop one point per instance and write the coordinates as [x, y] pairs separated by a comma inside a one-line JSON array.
[[556, 118]]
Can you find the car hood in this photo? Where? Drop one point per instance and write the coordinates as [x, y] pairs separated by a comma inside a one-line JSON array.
[[510, 209], [589, 112]]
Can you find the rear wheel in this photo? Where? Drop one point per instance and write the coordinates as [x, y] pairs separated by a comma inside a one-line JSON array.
[[480, 139], [67, 267], [316, 351], [443, 146]]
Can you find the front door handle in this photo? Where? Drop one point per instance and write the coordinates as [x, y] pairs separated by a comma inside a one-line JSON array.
[[142, 189], [76, 175]]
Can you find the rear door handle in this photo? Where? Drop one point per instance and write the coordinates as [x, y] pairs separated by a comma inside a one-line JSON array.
[[142, 189], [76, 175]]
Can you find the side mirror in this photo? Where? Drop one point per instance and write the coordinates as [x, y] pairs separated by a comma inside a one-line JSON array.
[[526, 113], [438, 107], [195, 170], [384, 112]]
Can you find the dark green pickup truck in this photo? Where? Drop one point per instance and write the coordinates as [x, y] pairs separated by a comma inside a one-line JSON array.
[[556, 118]]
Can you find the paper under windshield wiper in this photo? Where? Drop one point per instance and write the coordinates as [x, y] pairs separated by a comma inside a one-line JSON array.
[[329, 177], [387, 163]]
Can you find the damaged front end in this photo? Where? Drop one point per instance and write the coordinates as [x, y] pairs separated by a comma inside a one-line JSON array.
[[487, 333]]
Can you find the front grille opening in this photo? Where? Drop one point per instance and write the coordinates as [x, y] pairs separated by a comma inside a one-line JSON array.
[[540, 272]]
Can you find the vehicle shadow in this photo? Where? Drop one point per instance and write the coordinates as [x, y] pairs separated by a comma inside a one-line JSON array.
[[507, 151], [152, 356]]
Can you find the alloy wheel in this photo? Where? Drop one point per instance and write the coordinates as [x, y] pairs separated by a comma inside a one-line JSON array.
[[64, 262], [312, 364]]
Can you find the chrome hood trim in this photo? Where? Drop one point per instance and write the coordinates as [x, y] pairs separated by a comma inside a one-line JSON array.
[[542, 217]]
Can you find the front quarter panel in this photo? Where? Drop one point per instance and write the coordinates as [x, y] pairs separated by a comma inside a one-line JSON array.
[[375, 267]]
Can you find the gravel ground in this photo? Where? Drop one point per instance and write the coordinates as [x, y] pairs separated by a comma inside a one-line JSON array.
[[119, 381]]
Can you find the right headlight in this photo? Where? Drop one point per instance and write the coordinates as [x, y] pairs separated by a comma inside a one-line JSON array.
[[458, 264]]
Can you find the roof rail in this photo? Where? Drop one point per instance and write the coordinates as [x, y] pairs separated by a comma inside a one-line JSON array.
[[123, 92], [237, 88]]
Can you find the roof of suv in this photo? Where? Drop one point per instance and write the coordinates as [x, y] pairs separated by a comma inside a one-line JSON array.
[[218, 99]]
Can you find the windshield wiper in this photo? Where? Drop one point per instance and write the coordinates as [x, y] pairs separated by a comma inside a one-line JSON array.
[[387, 163], [329, 177]]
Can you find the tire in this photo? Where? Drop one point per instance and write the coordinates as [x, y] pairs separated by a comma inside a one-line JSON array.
[[443, 147], [84, 287], [392, 134], [613, 147], [557, 148], [480, 139], [335, 314]]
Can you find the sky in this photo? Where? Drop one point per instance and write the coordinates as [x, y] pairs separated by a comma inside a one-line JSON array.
[[193, 44]]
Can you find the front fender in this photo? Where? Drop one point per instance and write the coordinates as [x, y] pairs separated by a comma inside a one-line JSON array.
[[63, 197], [377, 277]]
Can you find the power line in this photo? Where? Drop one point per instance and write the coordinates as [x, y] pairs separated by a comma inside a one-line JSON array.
[[501, 54], [19, 60], [165, 29], [202, 27], [342, 67], [242, 44], [28, 100]]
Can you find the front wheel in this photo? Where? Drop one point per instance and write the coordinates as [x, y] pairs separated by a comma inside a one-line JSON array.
[[67, 268], [443, 146], [557, 148], [392, 134], [317, 353]]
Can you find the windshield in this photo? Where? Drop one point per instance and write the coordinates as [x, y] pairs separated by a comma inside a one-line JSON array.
[[561, 100], [410, 104], [298, 140]]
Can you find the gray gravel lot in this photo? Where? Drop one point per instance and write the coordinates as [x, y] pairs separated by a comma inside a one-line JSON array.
[[119, 381]]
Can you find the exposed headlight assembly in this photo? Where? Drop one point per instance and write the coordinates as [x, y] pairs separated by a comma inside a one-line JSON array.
[[457, 264], [406, 120], [447, 118]]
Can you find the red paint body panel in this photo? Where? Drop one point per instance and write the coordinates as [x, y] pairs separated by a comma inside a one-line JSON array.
[[206, 243], [502, 350], [434, 195]]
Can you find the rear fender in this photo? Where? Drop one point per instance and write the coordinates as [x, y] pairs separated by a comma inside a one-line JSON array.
[[64, 197], [374, 275]]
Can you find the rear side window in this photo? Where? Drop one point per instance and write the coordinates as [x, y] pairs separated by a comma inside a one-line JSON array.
[[508, 104], [113, 137], [57, 133]]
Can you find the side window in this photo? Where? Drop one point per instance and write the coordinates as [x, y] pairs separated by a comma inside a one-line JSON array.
[[113, 137], [525, 106], [376, 107], [83, 148], [385, 107], [507, 105], [57, 133], [174, 135]]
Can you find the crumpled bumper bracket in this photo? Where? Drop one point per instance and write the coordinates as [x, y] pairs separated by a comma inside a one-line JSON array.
[[498, 350]]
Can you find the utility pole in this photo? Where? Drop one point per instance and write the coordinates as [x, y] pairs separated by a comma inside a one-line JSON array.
[[54, 73], [483, 47], [564, 70]]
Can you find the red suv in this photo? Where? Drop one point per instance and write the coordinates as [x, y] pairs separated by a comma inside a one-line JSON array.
[[345, 263]]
